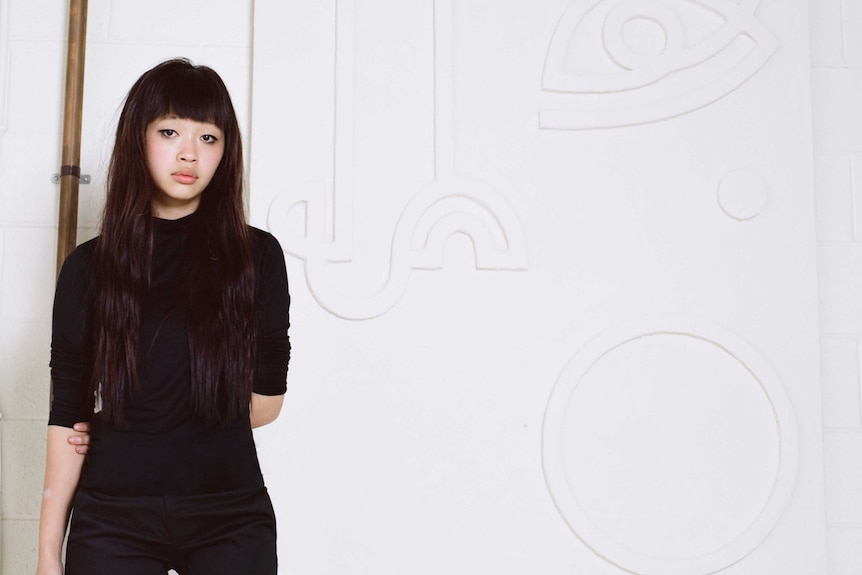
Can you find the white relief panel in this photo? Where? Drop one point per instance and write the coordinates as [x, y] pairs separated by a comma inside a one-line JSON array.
[[670, 446], [393, 137], [316, 223], [628, 62]]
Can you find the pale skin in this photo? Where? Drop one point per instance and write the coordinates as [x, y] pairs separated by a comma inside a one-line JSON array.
[[183, 156]]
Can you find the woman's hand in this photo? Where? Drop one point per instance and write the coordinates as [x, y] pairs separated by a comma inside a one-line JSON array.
[[81, 442]]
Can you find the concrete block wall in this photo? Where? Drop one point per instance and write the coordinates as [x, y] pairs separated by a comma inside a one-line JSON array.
[[836, 67], [32, 82], [123, 40]]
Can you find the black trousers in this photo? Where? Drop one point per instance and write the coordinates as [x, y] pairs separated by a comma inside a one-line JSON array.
[[211, 534]]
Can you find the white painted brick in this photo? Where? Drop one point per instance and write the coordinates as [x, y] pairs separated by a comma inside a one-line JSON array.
[[837, 114], [23, 470], [856, 172], [95, 150], [29, 270], [26, 166], [840, 273], [24, 373], [834, 192], [36, 85], [226, 22], [38, 19], [852, 26], [844, 550], [839, 368], [842, 453], [826, 32], [20, 543]]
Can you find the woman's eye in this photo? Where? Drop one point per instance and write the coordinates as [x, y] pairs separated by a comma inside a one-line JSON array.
[[167, 132], [209, 138]]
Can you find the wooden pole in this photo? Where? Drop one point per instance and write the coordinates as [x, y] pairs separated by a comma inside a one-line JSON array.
[[70, 171]]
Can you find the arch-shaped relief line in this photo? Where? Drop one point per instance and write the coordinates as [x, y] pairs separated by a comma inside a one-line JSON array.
[[568, 506], [476, 218], [707, 73], [475, 227], [432, 216]]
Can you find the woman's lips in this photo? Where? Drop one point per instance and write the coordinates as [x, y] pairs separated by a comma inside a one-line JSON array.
[[184, 177]]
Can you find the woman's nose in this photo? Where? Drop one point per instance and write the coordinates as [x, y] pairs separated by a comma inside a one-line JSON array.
[[188, 153]]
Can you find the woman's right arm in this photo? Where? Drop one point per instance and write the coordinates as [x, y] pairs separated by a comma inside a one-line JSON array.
[[62, 472], [71, 402]]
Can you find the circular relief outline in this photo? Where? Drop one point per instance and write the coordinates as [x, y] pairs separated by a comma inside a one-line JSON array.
[[552, 438], [658, 14]]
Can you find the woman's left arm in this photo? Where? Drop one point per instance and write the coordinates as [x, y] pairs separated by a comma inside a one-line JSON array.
[[273, 340], [264, 409]]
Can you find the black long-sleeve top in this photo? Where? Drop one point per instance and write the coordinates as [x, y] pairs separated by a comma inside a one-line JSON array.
[[162, 448]]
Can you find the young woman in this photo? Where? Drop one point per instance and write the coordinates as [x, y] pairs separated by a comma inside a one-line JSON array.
[[170, 339]]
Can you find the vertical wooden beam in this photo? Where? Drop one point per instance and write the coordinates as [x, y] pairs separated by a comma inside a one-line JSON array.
[[70, 171]]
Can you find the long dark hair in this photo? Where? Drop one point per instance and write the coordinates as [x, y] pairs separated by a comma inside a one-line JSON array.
[[219, 280]]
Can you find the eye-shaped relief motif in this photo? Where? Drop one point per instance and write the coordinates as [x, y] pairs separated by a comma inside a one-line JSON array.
[[628, 62]]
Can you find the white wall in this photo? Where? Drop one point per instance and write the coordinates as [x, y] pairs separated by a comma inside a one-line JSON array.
[[125, 38], [836, 56], [609, 201]]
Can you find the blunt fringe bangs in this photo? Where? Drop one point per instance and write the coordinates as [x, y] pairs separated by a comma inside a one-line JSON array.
[[178, 87]]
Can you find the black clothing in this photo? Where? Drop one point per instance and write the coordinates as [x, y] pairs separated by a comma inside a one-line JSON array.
[[162, 448], [210, 534]]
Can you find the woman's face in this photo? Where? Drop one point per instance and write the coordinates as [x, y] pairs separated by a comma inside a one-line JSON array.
[[182, 156]]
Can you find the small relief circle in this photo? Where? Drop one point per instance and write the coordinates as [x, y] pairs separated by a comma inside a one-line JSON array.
[[640, 36], [669, 447], [742, 194]]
